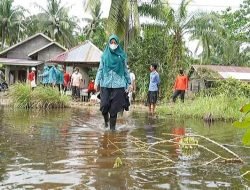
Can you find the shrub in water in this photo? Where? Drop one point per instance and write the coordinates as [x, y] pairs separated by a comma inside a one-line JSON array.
[[41, 97]]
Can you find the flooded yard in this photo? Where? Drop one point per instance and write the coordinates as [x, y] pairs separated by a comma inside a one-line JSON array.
[[71, 149]]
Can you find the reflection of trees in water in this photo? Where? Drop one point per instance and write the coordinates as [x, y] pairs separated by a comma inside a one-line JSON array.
[[65, 142], [149, 153], [107, 177], [6, 151], [1, 117], [25, 121], [32, 138]]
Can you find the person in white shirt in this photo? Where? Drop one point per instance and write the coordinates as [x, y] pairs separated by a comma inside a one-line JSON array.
[[131, 94], [76, 80]]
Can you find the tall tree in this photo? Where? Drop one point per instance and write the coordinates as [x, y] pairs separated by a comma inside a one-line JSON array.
[[95, 22], [56, 22], [208, 29], [11, 18], [123, 20], [94, 30]]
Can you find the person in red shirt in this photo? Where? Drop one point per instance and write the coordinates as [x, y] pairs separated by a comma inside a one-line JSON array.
[[66, 80], [32, 78], [180, 86], [91, 88]]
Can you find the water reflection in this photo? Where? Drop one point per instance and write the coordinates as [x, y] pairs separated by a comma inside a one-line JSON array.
[[70, 149], [150, 129]]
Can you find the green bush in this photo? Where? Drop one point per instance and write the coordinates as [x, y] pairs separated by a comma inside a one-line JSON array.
[[229, 87], [220, 107], [244, 123], [41, 97]]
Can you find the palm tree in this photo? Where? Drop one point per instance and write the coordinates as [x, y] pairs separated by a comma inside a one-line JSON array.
[[208, 29], [175, 23], [11, 19], [95, 22], [123, 20], [57, 23]]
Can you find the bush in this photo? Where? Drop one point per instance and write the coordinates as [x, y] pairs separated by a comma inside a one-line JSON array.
[[220, 107], [229, 87], [41, 97]]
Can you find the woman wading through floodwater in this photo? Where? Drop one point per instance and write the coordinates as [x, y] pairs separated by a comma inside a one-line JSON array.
[[112, 77]]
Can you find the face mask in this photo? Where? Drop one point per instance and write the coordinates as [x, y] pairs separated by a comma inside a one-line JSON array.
[[113, 46]]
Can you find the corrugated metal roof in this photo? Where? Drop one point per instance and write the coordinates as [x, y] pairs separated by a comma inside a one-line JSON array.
[[23, 62], [241, 73], [220, 68], [84, 53], [235, 75], [46, 46]]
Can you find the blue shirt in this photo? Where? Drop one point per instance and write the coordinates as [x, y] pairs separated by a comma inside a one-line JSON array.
[[111, 79], [154, 81]]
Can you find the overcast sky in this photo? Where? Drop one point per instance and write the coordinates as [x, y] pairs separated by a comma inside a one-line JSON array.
[[77, 5]]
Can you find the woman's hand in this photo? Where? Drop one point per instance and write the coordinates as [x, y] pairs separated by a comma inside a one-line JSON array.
[[130, 88]]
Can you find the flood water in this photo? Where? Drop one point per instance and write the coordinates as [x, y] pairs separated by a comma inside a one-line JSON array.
[[70, 149]]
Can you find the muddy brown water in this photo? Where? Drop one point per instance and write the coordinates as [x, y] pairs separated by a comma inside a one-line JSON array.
[[70, 149]]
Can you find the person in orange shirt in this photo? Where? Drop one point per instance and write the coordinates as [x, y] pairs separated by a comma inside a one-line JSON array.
[[180, 86]]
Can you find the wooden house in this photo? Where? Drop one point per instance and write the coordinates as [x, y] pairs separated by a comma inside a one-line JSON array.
[[203, 76], [31, 52], [84, 56]]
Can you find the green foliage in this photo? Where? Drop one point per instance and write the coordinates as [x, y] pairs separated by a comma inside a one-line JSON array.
[[229, 87], [11, 25], [188, 142], [189, 147], [244, 122], [123, 20], [205, 73], [41, 97], [94, 30], [54, 21], [118, 162], [154, 47], [220, 107]]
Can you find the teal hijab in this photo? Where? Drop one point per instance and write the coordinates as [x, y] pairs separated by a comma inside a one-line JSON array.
[[114, 59]]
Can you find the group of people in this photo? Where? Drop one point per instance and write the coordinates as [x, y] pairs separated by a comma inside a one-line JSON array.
[[56, 76], [113, 80]]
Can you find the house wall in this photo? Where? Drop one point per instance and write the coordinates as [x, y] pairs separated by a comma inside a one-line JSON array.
[[85, 77], [22, 51], [195, 85], [83, 71], [49, 53]]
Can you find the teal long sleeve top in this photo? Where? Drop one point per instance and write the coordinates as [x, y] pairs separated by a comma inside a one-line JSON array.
[[111, 79]]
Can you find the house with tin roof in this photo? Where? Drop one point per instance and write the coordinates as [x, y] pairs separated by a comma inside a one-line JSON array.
[[34, 51], [85, 56], [203, 76]]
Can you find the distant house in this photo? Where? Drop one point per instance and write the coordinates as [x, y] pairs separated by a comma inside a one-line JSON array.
[[31, 52], [85, 56], [202, 76]]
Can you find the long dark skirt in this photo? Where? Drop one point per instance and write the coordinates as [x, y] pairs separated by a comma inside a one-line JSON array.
[[112, 100]]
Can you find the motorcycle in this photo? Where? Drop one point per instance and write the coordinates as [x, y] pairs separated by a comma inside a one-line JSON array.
[[3, 86]]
